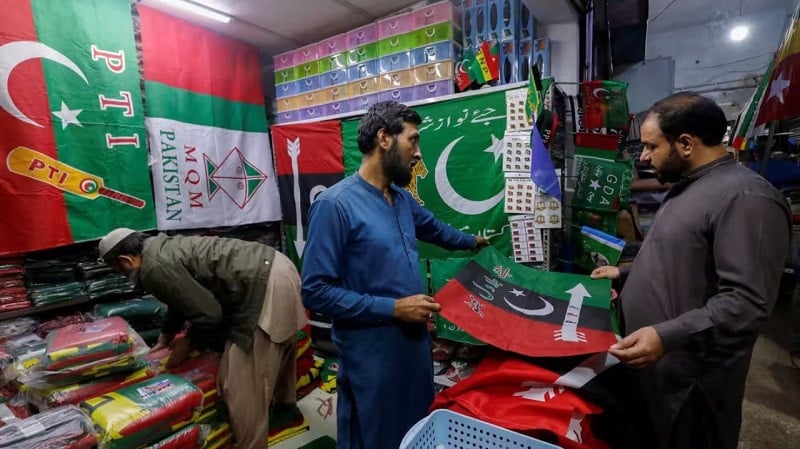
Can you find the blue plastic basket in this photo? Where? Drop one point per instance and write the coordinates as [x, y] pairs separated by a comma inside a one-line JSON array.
[[444, 429]]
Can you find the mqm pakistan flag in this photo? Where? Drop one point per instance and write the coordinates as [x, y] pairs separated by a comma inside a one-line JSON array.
[[528, 311], [460, 179], [212, 164], [73, 155]]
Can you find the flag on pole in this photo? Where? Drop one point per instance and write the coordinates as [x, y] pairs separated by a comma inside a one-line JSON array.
[[529, 311], [744, 123], [782, 94]]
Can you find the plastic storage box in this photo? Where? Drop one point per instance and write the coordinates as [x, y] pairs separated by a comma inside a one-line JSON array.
[[444, 429]]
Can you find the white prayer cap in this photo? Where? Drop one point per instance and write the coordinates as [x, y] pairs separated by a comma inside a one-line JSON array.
[[111, 240]]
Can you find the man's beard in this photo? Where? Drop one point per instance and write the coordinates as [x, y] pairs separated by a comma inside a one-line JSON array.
[[133, 278], [394, 168], [673, 168]]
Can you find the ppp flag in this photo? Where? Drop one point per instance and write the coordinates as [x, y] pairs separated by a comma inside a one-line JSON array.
[[308, 159], [528, 311]]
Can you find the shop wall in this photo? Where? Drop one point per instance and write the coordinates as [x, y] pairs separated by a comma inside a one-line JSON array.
[[565, 53], [706, 60]]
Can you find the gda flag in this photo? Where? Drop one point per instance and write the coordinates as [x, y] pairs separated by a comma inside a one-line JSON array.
[[73, 158], [605, 104], [598, 249], [207, 127], [519, 395], [460, 179], [529, 311], [781, 100], [308, 159], [603, 184]]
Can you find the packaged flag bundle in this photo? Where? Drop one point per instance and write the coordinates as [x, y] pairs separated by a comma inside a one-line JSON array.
[[144, 413], [60, 321], [529, 311], [202, 372], [88, 351], [187, 438], [16, 327], [13, 405], [285, 422], [598, 249], [59, 428], [76, 393], [22, 354], [87, 342]]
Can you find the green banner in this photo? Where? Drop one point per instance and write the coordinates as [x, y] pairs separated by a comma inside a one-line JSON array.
[[96, 105], [603, 184], [461, 179]]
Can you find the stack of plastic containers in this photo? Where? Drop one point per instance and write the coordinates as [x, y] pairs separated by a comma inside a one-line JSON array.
[[406, 57]]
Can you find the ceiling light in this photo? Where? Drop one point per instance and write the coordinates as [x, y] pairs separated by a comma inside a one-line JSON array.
[[739, 33], [202, 11]]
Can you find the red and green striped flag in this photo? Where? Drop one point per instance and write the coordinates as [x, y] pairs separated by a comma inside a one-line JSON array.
[[529, 311], [72, 138], [212, 164], [744, 124], [605, 104], [487, 63]]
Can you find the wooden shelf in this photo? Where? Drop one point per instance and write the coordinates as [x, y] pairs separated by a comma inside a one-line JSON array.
[[47, 308]]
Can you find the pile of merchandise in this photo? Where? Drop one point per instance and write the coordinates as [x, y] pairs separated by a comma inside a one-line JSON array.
[[144, 314], [52, 281], [101, 282], [13, 295]]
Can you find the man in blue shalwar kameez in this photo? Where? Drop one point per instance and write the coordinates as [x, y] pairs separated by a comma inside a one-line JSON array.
[[360, 268]]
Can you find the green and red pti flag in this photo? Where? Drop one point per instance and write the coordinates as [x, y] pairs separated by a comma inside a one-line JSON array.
[[308, 159], [781, 99], [72, 138], [520, 395], [605, 104], [528, 311], [212, 164]]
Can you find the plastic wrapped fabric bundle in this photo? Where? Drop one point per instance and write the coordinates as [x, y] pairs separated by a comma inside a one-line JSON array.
[[59, 428], [60, 321], [68, 348], [146, 311], [202, 372], [144, 413], [12, 406], [93, 270], [16, 327], [81, 343], [187, 438], [20, 355], [75, 394], [108, 286], [50, 294]]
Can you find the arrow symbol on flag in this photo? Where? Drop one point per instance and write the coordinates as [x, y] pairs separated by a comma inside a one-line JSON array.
[[293, 148], [569, 329]]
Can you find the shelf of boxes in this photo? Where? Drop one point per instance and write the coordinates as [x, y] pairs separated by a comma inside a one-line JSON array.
[[512, 26], [406, 57]]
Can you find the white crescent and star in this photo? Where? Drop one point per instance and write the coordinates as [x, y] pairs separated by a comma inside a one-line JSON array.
[[496, 148], [13, 54], [453, 199], [517, 293], [777, 87]]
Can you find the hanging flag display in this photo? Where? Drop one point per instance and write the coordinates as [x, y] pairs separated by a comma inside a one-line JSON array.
[[603, 184], [519, 395], [780, 101], [73, 156], [308, 160], [598, 249], [605, 104], [528, 311], [460, 178], [744, 123], [212, 164]]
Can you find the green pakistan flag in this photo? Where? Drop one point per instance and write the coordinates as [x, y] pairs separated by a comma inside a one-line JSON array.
[[461, 179]]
